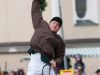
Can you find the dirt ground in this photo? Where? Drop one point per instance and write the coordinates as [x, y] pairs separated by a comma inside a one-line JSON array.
[[13, 62]]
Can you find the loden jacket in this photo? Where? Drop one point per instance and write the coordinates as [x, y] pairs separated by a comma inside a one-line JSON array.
[[44, 40]]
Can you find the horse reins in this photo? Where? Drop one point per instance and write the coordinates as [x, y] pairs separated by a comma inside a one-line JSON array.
[[49, 68]]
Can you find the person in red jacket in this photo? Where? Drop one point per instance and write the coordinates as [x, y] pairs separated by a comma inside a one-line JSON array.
[[47, 48]]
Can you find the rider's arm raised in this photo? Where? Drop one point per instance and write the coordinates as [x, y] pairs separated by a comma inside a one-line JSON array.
[[36, 14]]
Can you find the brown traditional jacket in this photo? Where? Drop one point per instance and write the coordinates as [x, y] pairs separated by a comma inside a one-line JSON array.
[[44, 40]]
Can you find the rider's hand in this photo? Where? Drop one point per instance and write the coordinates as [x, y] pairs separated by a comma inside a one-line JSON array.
[[53, 63]]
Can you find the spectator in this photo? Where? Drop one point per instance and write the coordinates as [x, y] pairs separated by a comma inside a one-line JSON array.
[[98, 72], [79, 64], [12, 73], [78, 72], [21, 72]]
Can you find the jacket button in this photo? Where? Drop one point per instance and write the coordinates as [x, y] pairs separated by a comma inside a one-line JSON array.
[[53, 55]]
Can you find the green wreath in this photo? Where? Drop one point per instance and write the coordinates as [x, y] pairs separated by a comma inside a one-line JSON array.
[[43, 5]]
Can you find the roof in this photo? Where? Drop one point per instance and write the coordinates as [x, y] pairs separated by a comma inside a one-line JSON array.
[[85, 52]]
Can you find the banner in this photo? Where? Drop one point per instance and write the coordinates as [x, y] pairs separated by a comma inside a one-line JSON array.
[[66, 72]]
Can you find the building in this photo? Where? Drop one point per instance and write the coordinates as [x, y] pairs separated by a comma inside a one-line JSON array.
[[80, 24]]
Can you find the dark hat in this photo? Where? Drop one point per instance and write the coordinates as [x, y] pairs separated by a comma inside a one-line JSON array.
[[97, 71], [58, 19]]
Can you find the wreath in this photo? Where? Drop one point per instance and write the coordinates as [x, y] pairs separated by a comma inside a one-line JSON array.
[[43, 5]]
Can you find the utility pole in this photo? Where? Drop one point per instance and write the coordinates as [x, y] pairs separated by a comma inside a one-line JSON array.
[[56, 12]]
